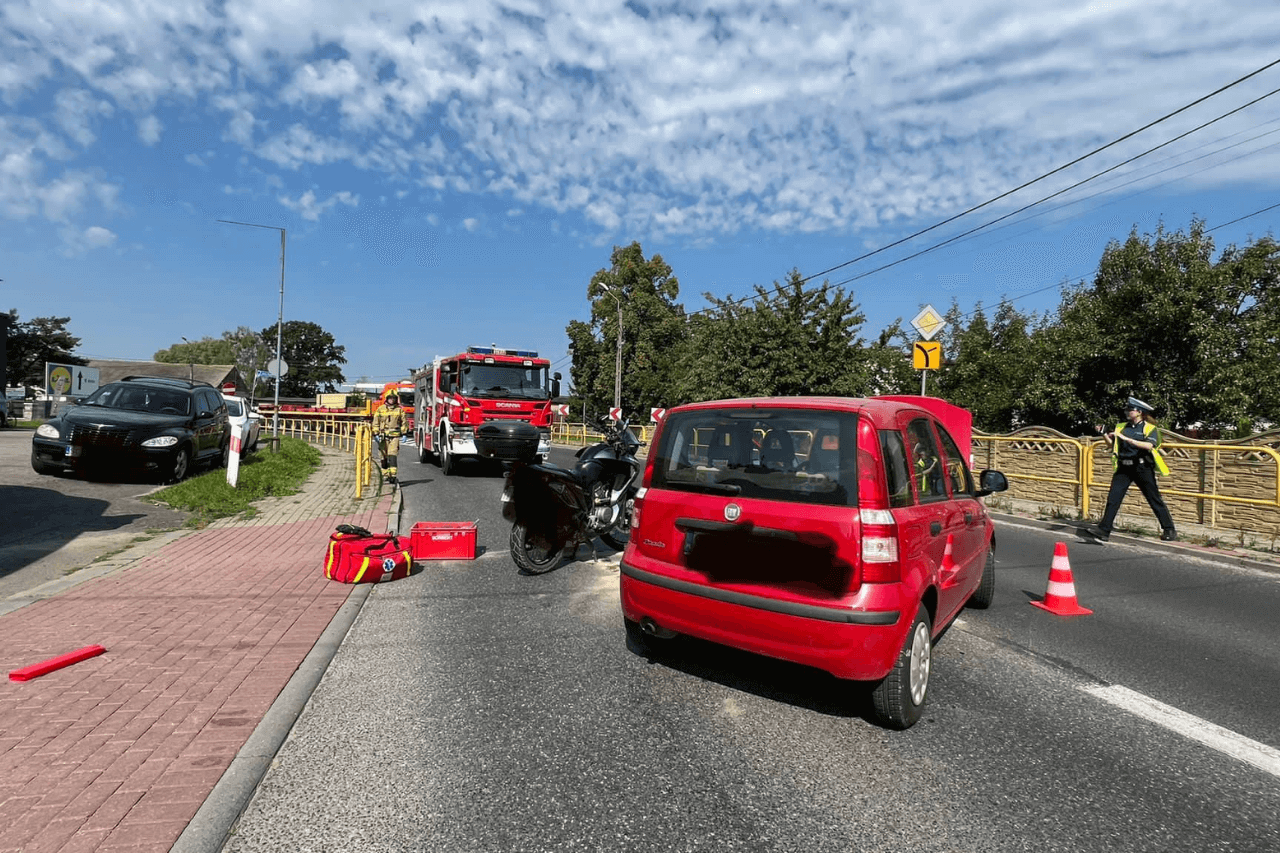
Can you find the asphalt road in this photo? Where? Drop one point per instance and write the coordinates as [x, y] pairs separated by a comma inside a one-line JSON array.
[[473, 708], [57, 524]]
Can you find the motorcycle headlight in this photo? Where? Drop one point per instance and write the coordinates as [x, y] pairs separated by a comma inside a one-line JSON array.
[[47, 431], [161, 441]]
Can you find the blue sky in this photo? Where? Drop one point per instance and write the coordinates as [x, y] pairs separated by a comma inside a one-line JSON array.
[[453, 173]]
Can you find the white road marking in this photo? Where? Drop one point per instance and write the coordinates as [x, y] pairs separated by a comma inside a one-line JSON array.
[[1216, 737]]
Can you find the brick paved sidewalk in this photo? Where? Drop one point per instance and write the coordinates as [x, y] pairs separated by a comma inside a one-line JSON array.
[[118, 752]]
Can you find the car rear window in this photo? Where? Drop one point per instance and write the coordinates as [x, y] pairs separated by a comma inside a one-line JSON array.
[[798, 455]]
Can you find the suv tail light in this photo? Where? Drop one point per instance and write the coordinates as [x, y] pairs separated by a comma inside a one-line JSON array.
[[881, 562]]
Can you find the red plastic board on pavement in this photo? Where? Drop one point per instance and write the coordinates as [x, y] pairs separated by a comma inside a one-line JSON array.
[[38, 669], [443, 540]]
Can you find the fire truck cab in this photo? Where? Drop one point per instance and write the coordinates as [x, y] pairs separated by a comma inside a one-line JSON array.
[[483, 387]]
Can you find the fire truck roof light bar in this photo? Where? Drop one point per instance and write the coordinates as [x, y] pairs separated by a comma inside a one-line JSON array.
[[522, 353]]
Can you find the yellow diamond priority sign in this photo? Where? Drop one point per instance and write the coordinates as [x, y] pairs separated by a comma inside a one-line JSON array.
[[928, 322]]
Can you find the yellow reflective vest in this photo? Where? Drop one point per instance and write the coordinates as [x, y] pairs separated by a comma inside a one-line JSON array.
[[1147, 429]]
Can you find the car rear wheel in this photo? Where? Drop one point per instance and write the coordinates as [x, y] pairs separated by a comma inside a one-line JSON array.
[[986, 591], [899, 699]]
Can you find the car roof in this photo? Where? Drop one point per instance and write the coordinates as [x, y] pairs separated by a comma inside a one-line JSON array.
[[185, 384], [881, 411]]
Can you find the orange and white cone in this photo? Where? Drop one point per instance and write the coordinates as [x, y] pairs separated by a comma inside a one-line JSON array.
[[947, 570], [1060, 597]]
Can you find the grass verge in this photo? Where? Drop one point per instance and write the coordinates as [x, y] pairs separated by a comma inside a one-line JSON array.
[[263, 474]]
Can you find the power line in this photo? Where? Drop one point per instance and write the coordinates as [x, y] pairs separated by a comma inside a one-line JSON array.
[[1080, 183], [1051, 173], [1036, 180], [1095, 270]]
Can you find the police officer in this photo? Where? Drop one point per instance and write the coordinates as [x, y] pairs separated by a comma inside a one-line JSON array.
[[389, 423], [1136, 458]]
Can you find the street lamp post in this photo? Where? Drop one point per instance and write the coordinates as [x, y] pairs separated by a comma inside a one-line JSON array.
[[275, 413], [190, 361], [617, 368]]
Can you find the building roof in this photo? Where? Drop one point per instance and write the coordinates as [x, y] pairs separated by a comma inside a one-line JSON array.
[[109, 370]]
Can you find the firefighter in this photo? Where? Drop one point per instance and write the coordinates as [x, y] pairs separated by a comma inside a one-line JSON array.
[[388, 426]]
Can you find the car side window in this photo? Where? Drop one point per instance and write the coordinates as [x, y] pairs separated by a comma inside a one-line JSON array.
[[897, 475], [957, 467], [926, 465]]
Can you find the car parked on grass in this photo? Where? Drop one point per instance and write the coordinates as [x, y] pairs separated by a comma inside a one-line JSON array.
[[245, 422], [839, 533], [157, 425]]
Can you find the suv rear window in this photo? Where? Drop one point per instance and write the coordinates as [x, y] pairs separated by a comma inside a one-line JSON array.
[[799, 455]]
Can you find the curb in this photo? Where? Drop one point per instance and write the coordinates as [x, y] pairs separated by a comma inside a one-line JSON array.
[[1181, 548]]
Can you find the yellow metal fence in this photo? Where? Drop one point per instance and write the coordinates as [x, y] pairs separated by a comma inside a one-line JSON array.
[[1220, 485], [1231, 486]]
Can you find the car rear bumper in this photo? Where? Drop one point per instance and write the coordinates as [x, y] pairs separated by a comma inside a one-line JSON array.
[[860, 644]]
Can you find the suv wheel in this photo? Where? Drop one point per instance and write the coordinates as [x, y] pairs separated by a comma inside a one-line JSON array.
[[899, 699], [179, 465], [42, 467]]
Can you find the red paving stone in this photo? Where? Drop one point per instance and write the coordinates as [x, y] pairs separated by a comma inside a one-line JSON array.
[[117, 753]]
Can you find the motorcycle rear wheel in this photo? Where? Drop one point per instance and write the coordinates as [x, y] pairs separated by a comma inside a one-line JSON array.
[[532, 556]]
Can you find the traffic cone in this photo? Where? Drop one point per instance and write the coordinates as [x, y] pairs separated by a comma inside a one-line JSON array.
[[1060, 597], [947, 571]]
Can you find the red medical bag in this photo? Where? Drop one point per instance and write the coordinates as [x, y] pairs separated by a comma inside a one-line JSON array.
[[357, 556]]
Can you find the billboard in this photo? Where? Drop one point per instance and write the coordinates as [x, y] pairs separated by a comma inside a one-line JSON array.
[[69, 380]]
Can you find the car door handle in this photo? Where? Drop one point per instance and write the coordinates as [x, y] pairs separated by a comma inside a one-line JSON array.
[[968, 518], [935, 527]]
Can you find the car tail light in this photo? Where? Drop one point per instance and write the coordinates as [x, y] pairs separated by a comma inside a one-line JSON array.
[[881, 562], [635, 508]]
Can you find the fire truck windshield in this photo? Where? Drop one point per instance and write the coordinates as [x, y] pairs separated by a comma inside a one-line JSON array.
[[505, 380]]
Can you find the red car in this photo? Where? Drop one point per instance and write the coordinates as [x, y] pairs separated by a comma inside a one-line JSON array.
[[813, 530]]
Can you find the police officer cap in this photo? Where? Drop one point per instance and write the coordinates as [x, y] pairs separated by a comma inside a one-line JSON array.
[[1135, 403]]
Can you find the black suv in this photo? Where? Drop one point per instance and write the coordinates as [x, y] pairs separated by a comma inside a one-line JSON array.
[[154, 424]]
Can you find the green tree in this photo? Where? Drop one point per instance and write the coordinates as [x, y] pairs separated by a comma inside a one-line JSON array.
[[314, 359], [1164, 321], [35, 342], [204, 351], [788, 340], [987, 365], [642, 293]]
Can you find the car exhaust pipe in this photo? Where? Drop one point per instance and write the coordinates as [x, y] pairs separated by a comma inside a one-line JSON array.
[[653, 629]]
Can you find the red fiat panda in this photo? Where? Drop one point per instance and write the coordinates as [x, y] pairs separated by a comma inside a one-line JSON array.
[[814, 530]]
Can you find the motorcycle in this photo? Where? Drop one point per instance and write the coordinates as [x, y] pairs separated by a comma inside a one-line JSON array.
[[553, 509]]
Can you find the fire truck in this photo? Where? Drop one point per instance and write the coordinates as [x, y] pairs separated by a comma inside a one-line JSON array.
[[485, 402]]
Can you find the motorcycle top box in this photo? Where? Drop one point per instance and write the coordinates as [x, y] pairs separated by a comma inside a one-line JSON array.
[[508, 441], [838, 533]]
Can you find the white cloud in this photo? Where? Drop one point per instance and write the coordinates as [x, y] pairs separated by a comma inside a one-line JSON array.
[[308, 208], [149, 129], [77, 242], [471, 223], [694, 119]]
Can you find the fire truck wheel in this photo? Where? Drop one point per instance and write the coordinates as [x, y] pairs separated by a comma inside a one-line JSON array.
[[447, 463], [422, 449]]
